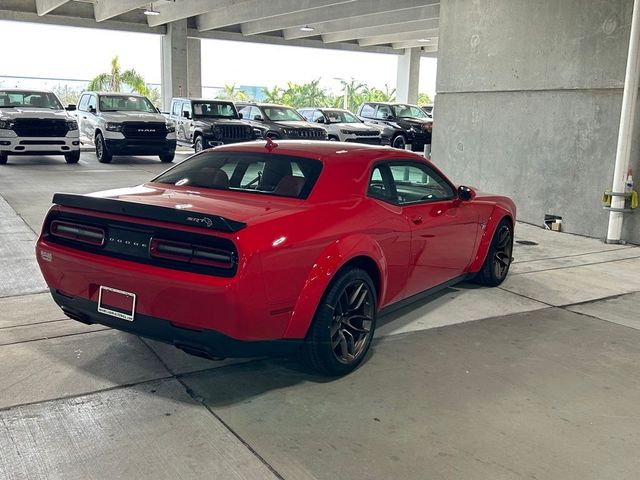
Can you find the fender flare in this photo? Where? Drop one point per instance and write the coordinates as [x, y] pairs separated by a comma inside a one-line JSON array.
[[323, 272], [497, 215]]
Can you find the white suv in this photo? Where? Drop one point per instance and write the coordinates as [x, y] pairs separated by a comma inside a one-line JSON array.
[[35, 123], [125, 124], [342, 125]]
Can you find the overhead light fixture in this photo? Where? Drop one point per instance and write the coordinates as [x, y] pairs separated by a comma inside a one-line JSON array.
[[307, 28], [424, 40], [151, 12]]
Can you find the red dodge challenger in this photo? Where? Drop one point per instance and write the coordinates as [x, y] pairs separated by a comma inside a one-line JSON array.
[[262, 249]]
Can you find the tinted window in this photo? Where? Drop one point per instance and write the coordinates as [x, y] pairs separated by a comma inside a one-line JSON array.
[[260, 173], [214, 109], [409, 111], [125, 103], [368, 111]]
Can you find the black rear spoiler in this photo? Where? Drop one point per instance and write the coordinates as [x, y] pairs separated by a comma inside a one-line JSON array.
[[151, 212]]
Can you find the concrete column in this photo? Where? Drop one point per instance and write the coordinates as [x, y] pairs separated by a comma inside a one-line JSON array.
[[174, 62], [408, 76], [194, 68]]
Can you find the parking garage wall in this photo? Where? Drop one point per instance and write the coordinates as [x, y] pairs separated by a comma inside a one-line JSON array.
[[528, 104]]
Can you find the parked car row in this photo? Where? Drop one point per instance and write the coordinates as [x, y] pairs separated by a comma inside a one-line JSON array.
[[35, 122]]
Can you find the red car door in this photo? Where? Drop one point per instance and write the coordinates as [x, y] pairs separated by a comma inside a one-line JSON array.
[[444, 228]]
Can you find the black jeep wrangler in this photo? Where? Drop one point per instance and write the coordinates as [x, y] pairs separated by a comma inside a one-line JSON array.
[[402, 123]]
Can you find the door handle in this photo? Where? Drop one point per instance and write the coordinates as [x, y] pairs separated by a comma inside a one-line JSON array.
[[417, 220], [84, 118]]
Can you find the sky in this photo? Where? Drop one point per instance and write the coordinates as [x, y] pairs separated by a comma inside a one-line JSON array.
[[80, 53]]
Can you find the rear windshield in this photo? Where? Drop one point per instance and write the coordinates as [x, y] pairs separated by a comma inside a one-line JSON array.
[[29, 99], [254, 172], [125, 103]]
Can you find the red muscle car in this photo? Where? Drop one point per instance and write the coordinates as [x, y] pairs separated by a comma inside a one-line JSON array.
[[262, 249]]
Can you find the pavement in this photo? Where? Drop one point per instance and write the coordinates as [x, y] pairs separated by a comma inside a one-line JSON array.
[[539, 378]]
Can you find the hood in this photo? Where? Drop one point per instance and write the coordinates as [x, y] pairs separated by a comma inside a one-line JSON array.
[[360, 127], [28, 112], [133, 117], [239, 206], [299, 124], [221, 121]]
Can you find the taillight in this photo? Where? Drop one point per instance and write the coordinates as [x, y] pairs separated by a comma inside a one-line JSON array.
[[77, 232], [191, 253]]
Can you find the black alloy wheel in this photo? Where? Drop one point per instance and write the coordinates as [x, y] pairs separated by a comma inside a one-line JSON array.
[[399, 141], [499, 257], [104, 156], [343, 326]]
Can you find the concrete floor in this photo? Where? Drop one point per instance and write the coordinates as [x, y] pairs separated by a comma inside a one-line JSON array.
[[539, 378]]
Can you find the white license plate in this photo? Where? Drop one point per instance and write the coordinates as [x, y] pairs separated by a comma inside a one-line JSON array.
[[117, 303]]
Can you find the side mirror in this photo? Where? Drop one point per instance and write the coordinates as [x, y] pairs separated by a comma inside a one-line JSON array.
[[389, 117], [70, 108], [258, 118], [320, 120], [92, 109], [466, 194], [186, 115], [240, 115]]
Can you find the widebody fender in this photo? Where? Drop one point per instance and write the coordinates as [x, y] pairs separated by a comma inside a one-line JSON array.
[[490, 225]]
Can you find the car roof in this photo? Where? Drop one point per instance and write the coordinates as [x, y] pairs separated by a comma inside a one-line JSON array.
[[34, 90], [321, 150], [194, 99], [120, 94]]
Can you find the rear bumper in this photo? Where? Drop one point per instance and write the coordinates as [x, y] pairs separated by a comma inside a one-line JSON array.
[[207, 343], [127, 146]]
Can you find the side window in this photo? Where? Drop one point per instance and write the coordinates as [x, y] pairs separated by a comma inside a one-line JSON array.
[[383, 112], [252, 175], [255, 111], [378, 186], [176, 108], [92, 102], [305, 113], [84, 102], [316, 115], [416, 183], [186, 107], [367, 111]]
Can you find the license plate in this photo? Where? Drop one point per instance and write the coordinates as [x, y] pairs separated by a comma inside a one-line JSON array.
[[117, 303]]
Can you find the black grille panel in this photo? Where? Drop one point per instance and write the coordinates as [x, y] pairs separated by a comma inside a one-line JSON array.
[[366, 134], [236, 132], [35, 127], [307, 133], [144, 130]]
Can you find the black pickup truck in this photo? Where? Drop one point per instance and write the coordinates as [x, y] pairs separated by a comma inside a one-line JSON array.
[[204, 123], [402, 123]]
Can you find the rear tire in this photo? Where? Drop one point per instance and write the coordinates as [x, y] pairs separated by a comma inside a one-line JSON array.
[[72, 157], [104, 156], [167, 157], [4, 158], [496, 265], [342, 329]]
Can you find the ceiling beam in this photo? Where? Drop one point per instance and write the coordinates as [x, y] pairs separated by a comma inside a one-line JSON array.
[[397, 37], [319, 15], [106, 9], [261, 11], [174, 11], [357, 33], [398, 16], [45, 6], [431, 46]]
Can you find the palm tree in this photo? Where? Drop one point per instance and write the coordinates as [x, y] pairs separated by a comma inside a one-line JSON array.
[[231, 92], [116, 79], [275, 95]]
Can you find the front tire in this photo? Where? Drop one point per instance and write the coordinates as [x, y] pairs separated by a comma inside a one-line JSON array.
[[104, 156], [343, 326], [496, 265], [399, 141], [167, 157], [4, 158], [199, 144], [72, 157]]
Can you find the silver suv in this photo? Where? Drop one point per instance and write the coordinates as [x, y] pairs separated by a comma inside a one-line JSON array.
[[342, 125], [125, 124], [34, 122]]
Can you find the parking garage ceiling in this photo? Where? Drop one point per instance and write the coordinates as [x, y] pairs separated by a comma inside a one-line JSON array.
[[383, 26]]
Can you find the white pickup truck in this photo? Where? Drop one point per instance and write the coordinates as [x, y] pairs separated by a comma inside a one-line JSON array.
[[34, 122], [125, 124]]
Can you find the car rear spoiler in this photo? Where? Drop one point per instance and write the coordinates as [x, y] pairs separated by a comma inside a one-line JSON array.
[[151, 212]]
